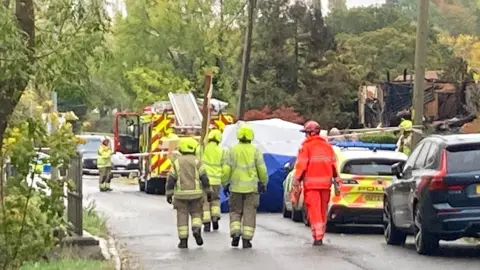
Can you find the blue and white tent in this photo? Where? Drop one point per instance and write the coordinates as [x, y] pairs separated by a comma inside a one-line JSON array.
[[279, 141]]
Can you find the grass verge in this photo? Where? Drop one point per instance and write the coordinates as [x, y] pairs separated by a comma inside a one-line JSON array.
[[70, 264], [94, 222]]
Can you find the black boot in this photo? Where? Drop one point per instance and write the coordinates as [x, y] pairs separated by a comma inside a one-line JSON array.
[[183, 243], [215, 225], [235, 240], [246, 243], [197, 234], [318, 242], [206, 227]]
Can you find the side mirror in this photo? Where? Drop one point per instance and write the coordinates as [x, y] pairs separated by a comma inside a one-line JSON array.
[[397, 169], [288, 166]]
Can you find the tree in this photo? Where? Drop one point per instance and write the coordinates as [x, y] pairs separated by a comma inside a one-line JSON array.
[[150, 86], [364, 19], [337, 5], [45, 44], [185, 38]]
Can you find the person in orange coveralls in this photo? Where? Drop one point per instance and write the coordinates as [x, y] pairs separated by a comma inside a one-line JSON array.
[[315, 167]]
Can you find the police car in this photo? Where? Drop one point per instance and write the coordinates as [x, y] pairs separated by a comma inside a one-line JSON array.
[[364, 171]]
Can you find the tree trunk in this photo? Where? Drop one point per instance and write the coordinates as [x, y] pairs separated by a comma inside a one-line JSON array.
[[12, 89]]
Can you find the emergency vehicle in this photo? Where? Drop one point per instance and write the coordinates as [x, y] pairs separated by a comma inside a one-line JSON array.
[[364, 171], [152, 136]]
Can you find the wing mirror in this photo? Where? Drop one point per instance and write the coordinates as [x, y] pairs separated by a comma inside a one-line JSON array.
[[397, 169], [288, 166]]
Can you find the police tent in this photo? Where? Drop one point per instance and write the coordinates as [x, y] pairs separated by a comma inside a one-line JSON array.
[[279, 142]]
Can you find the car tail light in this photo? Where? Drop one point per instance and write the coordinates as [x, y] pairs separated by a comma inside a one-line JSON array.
[[348, 181], [435, 182]]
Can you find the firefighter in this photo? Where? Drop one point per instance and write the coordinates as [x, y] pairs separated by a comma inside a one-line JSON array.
[[315, 167], [246, 178], [214, 159], [404, 143], [104, 165], [187, 181]]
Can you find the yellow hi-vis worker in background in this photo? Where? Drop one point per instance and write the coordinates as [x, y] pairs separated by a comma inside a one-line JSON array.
[[186, 184], [104, 165], [247, 177], [214, 158], [404, 143]]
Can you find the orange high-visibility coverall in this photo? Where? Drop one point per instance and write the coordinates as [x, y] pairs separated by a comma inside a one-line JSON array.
[[315, 166]]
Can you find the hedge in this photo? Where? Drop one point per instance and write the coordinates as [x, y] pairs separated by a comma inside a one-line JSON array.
[[383, 137]]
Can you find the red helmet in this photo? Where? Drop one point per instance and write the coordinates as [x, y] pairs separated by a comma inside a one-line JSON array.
[[311, 127]]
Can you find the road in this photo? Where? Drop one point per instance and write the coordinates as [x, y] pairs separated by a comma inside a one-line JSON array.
[[146, 225]]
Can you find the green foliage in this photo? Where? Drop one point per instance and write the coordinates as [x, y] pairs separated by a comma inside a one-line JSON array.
[[386, 137], [69, 264], [179, 40], [150, 86], [32, 206], [94, 222]]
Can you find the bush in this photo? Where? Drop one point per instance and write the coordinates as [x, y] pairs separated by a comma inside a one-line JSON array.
[[29, 215], [383, 137]]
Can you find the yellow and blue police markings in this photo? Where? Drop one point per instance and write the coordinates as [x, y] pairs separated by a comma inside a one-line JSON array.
[[40, 165]]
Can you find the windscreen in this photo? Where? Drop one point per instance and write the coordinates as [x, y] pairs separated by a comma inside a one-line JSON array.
[[92, 145], [463, 158], [369, 166]]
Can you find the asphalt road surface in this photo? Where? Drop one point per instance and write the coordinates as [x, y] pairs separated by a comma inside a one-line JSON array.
[[145, 224]]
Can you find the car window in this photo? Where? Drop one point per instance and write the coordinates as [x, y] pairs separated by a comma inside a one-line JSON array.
[[413, 156], [433, 157], [91, 145], [463, 158], [369, 166], [422, 156]]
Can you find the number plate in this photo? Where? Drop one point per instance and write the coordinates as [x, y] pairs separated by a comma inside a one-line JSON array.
[[478, 189], [374, 198]]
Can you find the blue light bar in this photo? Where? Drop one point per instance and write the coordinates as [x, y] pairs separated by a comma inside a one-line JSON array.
[[371, 146]]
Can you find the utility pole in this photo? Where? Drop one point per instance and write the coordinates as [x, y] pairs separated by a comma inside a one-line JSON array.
[[246, 59], [420, 59]]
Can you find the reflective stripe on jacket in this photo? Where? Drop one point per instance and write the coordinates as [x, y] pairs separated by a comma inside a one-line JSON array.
[[214, 160], [246, 168], [315, 164], [104, 157], [405, 144], [185, 173]]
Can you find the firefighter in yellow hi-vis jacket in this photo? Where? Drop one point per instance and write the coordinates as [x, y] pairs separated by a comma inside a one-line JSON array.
[[187, 182], [104, 165], [247, 177], [214, 158]]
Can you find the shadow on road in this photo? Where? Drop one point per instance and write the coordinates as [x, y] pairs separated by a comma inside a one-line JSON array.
[[453, 251], [357, 229]]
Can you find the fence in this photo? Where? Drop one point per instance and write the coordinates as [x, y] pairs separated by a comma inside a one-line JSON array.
[[75, 197]]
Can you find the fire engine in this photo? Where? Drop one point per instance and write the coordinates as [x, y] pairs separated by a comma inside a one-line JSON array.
[[150, 138]]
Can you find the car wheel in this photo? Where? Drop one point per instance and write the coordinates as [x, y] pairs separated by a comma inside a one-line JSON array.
[[161, 188], [149, 189], [305, 217], [286, 213], [297, 216], [393, 236], [425, 242]]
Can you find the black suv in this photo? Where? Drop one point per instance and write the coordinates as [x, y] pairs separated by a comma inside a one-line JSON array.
[[436, 193]]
